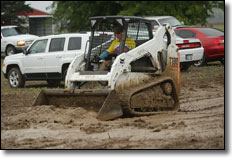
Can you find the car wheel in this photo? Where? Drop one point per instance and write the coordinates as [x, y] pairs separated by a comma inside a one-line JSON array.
[[185, 66], [201, 62], [15, 78], [53, 82], [10, 50], [223, 61]]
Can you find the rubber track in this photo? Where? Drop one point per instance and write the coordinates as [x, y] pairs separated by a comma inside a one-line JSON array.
[[126, 94]]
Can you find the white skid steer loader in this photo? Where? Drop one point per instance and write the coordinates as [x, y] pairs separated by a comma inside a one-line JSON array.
[[144, 80]]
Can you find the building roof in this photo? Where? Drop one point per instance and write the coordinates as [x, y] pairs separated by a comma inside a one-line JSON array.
[[35, 13]]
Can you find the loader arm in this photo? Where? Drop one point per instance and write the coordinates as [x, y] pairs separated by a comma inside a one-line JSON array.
[[150, 49]]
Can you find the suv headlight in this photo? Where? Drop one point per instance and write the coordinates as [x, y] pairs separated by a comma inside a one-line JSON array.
[[21, 43]]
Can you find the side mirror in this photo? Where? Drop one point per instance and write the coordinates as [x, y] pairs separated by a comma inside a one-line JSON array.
[[182, 22], [25, 51]]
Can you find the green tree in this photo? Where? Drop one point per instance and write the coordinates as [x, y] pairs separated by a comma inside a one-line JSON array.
[[190, 12], [74, 15], [10, 11]]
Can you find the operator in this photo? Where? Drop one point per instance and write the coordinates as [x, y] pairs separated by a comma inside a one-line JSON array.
[[114, 48]]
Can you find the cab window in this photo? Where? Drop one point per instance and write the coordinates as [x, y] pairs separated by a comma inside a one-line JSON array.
[[138, 31]]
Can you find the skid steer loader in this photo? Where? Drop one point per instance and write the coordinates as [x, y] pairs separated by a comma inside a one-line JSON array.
[[144, 80]]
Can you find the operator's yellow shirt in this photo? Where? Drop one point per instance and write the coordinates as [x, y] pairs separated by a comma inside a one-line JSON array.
[[114, 48]]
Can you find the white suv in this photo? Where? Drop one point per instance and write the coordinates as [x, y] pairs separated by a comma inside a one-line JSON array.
[[47, 58], [13, 40], [160, 20]]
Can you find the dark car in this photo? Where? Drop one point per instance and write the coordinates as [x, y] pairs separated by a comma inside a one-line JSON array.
[[211, 39]]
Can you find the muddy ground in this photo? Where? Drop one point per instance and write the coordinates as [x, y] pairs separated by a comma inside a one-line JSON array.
[[199, 124]]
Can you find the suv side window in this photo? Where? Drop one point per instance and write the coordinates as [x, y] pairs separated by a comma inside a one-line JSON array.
[[185, 33], [38, 47], [57, 44], [74, 43]]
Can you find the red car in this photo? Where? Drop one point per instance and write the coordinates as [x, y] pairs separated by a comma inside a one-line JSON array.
[[211, 39]]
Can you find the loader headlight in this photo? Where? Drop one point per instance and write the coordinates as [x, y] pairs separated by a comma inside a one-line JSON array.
[[21, 43]]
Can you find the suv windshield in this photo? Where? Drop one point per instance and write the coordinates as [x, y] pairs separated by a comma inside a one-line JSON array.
[[171, 21], [13, 31]]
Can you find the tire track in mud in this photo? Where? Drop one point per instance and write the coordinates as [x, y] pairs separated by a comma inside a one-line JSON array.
[[196, 98], [202, 104]]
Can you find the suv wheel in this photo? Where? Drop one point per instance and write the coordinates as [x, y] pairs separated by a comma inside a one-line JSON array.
[[65, 70], [15, 78], [10, 50], [53, 82], [184, 66]]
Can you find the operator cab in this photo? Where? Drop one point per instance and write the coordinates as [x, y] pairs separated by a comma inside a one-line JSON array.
[[102, 35]]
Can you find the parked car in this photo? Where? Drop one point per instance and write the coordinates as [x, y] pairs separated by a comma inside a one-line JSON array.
[[191, 50], [160, 20], [47, 58], [211, 39], [14, 40]]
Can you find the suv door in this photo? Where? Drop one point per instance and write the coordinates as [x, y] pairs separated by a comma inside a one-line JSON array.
[[54, 56], [33, 62]]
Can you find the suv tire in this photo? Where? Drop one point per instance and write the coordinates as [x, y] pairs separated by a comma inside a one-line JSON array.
[[184, 66], [64, 73], [53, 82], [15, 78], [10, 50]]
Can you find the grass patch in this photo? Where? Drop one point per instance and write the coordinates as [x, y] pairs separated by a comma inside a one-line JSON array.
[[219, 27], [213, 72]]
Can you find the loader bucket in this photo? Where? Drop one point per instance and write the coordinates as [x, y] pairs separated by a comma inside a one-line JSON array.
[[104, 102]]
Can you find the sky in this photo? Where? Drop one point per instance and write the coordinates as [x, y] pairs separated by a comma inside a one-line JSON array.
[[40, 5]]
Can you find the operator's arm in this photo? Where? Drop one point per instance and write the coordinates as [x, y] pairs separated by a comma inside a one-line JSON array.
[[105, 53]]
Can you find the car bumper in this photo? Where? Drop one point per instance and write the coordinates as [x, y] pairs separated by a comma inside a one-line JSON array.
[[191, 55]]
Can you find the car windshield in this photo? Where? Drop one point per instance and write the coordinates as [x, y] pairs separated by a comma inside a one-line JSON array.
[[211, 32], [13, 31], [171, 21]]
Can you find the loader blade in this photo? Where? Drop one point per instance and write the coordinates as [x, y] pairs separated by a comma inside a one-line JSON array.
[[104, 102], [111, 108]]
